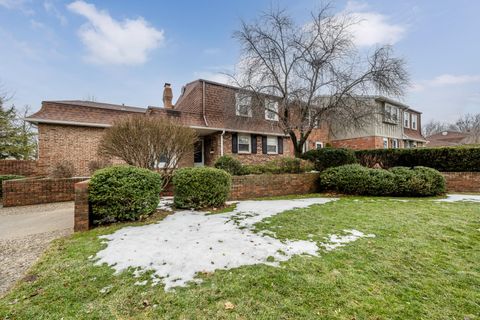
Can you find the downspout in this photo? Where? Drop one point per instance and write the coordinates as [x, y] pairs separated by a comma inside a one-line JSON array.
[[221, 143], [203, 104]]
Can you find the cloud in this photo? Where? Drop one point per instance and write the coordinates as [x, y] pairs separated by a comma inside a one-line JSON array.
[[212, 76], [372, 27], [50, 8], [109, 41], [445, 80], [17, 5]]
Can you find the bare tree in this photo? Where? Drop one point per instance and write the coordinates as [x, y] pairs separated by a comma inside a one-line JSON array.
[[152, 143], [314, 70], [433, 127]]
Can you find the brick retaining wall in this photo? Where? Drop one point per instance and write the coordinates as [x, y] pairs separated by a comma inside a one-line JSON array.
[[462, 181], [268, 185], [35, 191], [19, 167]]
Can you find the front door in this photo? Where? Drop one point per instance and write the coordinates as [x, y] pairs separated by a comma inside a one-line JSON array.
[[198, 155]]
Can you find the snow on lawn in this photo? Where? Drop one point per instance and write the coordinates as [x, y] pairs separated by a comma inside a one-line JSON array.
[[461, 197], [189, 242], [334, 241]]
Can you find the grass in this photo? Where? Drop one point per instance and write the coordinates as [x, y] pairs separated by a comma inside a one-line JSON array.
[[423, 264]]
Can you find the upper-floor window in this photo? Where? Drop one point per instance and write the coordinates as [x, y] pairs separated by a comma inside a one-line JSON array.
[[271, 110], [414, 121], [272, 145], [311, 118], [406, 120], [391, 113], [244, 143], [243, 105]]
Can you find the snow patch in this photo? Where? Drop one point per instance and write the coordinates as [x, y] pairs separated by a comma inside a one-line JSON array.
[[460, 197], [188, 242], [334, 241], [165, 204]]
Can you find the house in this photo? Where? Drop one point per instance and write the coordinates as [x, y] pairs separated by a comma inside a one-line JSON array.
[[389, 124], [449, 138], [221, 115]]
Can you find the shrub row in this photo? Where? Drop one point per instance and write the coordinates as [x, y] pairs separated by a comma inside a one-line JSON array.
[[277, 166], [201, 187], [8, 177], [453, 159], [399, 181], [329, 157], [123, 193]]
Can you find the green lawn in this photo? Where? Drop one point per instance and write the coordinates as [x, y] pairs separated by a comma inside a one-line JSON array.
[[423, 264]]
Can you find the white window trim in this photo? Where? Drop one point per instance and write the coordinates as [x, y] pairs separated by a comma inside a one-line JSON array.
[[249, 138], [317, 144], [385, 143], [414, 121], [274, 138], [395, 143], [268, 103], [393, 117], [242, 99], [406, 120]]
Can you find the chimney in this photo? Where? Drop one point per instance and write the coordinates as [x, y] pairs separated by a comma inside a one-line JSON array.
[[167, 96]]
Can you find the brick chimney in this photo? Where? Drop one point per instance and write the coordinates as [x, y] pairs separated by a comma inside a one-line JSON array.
[[167, 96]]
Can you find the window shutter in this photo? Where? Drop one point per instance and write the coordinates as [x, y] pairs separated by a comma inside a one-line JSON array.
[[254, 143], [264, 144], [234, 143], [280, 145]]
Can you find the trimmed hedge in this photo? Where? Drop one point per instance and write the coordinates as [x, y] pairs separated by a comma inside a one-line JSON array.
[[400, 181], [448, 159], [123, 193], [329, 157], [197, 188], [8, 177], [229, 164], [279, 166]]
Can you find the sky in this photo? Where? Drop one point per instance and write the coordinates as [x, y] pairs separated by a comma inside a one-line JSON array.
[[124, 51]]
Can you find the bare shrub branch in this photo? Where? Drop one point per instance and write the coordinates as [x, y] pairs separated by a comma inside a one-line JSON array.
[[147, 142]]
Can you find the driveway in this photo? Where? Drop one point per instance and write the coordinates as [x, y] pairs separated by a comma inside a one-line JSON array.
[[25, 233]]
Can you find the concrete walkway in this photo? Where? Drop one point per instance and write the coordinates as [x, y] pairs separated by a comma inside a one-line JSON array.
[[25, 233]]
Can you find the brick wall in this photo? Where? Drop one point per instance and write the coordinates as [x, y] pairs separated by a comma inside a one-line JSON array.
[[20, 167], [68, 143], [35, 191], [462, 181], [82, 207], [256, 186], [362, 143]]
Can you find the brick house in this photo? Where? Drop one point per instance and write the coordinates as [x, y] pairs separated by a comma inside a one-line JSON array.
[[391, 124], [221, 115]]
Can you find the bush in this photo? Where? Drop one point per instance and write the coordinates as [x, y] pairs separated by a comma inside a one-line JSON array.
[[8, 177], [229, 164], [279, 166], [63, 169], [329, 157], [201, 187], [453, 159], [123, 193], [355, 179]]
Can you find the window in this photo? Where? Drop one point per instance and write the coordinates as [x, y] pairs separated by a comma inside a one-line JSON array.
[[385, 143], [391, 113], [395, 143], [271, 110], [272, 145], [406, 120], [414, 121], [244, 143], [318, 145], [316, 124], [243, 106]]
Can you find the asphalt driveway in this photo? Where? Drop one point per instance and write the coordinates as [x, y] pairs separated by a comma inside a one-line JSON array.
[[25, 233]]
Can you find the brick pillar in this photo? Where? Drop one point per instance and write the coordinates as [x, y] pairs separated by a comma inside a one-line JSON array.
[[82, 207]]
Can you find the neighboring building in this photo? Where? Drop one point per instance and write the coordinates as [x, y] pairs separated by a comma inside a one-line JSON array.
[[390, 124], [449, 138], [222, 116]]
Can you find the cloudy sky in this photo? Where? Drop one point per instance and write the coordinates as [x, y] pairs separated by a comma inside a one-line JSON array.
[[123, 52]]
